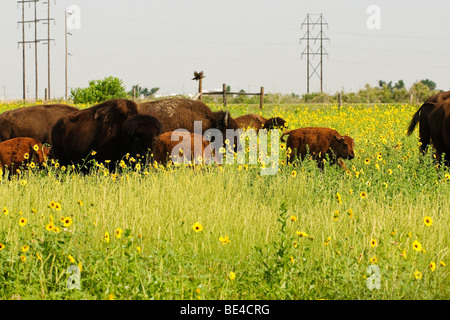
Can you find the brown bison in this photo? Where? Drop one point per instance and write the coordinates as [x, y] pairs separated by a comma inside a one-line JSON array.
[[182, 114], [181, 145], [17, 152], [318, 142], [33, 122], [433, 117], [259, 122], [111, 129]]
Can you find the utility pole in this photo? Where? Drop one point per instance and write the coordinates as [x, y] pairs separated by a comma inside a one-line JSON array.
[[48, 47], [35, 41], [22, 2], [35, 48], [308, 22], [23, 48], [74, 11], [67, 53]]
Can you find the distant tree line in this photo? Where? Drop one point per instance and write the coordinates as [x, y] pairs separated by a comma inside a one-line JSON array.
[[109, 88], [138, 92], [385, 92]]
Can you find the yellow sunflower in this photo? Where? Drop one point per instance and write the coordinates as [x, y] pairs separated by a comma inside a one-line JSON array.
[[428, 221], [417, 246], [197, 227]]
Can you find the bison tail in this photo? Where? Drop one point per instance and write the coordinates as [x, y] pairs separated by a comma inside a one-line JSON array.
[[414, 121], [416, 117], [286, 133]]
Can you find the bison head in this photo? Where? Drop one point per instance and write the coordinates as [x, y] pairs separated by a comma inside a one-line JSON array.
[[139, 133], [273, 123], [345, 147]]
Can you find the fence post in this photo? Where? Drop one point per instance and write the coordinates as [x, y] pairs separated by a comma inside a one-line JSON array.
[[340, 99], [200, 89], [261, 98], [134, 94], [46, 94], [224, 88]]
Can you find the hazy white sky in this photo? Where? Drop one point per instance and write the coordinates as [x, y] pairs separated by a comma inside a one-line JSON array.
[[245, 44]]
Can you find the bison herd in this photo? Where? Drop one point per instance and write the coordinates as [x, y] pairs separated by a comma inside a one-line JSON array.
[[110, 130]]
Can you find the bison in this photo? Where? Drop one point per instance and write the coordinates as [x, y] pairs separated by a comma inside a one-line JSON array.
[[181, 145], [259, 122], [17, 152], [319, 143], [111, 129], [33, 122], [182, 114], [433, 116]]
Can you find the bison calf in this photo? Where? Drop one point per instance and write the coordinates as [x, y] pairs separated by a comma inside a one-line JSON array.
[[318, 142], [17, 152], [178, 146]]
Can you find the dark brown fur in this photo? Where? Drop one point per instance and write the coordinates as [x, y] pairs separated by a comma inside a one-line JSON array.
[[33, 122], [164, 145], [181, 113], [430, 125], [258, 122], [111, 129], [318, 142], [13, 151]]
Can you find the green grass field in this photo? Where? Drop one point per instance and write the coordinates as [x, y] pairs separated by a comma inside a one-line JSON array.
[[378, 230]]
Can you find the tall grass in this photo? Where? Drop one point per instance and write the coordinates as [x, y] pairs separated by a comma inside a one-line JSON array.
[[290, 236]]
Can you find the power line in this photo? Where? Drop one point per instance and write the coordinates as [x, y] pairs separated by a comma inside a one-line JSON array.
[[310, 24], [23, 45], [35, 21]]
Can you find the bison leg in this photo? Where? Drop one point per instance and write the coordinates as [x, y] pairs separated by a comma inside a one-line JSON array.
[[425, 139]]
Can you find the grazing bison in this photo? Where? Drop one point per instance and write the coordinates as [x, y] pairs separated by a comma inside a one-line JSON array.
[[258, 122], [111, 129], [318, 142], [33, 122], [181, 145], [434, 124], [17, 152], [182, 113]]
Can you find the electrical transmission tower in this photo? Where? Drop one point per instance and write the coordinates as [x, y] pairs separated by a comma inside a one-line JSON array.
[[35, 42], [309, 51]]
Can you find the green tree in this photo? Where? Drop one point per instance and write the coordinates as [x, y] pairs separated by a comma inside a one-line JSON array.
[[420, 91], [368, 94], [399, 85], [430, 84], [383, 84], [100, 91], [145, 92]]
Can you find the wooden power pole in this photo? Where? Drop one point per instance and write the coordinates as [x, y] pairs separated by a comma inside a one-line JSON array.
[[35, 42]]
